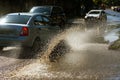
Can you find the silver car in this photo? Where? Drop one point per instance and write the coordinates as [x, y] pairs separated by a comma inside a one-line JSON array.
[[26, 30]]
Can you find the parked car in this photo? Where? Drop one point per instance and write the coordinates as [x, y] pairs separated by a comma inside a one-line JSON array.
[[56, 14], [26, 30], [116, 8], [96, 16]]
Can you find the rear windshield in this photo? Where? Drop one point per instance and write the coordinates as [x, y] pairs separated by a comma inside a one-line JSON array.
[[43, 10], [17, 19]]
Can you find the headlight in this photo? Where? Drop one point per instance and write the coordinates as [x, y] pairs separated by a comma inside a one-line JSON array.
[[85, 17]]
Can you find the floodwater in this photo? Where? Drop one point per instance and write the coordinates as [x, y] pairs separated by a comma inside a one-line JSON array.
[[86, 60]]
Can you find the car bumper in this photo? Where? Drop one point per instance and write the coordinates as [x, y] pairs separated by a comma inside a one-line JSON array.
[[14, 42]]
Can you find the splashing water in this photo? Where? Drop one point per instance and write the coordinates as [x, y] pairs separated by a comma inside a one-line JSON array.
[[76, 38]]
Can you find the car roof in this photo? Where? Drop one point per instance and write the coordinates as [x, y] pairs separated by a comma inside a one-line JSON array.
[[22, 13], [51, 6], [95, 10]]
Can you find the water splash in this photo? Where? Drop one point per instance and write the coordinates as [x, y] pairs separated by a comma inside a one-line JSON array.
[[77, 39]]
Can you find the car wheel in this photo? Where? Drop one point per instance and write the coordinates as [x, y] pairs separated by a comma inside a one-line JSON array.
[[36, 45], [60, 49], [31, 52]]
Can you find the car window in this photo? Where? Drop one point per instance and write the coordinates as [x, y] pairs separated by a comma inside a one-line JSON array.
[[103, 12], [38, 20], [57, 10], [45, 19], [95, 12], [17, 19], [43, 10]]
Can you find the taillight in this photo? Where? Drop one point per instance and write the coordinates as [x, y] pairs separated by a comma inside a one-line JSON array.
[[24, 31]]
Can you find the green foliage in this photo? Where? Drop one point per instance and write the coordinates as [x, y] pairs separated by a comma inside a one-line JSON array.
[[97, 2], [108, 2]]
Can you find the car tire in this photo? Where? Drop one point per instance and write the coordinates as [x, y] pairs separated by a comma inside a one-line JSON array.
[[36, 45], [31, 52]]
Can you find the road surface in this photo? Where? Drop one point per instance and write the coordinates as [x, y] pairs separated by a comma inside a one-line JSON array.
[[86, 61]]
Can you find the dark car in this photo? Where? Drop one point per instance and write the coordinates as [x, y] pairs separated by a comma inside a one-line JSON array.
[[26, 30], [56, 14], [116, 8]]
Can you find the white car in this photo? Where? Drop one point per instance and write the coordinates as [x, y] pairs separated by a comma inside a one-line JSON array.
[[96, 15]]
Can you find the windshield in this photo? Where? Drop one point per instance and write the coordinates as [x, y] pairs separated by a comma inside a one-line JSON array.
[[95, 12], [43, 10], [17, 19]]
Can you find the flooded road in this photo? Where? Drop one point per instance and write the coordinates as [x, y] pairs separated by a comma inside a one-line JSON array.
[[94, 62], [87, 60]]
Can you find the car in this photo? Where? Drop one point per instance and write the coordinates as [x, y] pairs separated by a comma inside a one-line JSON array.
[[116, 8], [56, 13], [96, 16], [27, 30]]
